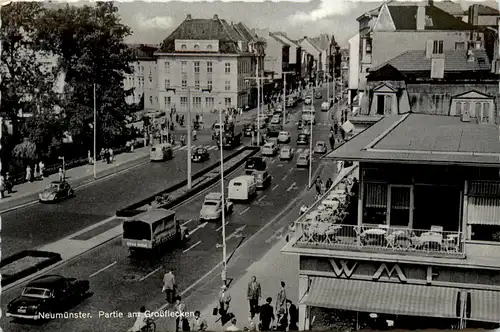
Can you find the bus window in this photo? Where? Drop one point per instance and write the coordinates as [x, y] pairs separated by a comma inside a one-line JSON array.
[[136, 230]]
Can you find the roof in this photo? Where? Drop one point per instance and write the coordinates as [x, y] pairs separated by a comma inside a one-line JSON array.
[[285, 39], [322, 42], [484, 10], [207, 29], [450, 7], [45, 281], [310, 42], [153, 215], [455, 61], [382, 297], [279, 40], [144, 51], [421, 138], [405, 18]]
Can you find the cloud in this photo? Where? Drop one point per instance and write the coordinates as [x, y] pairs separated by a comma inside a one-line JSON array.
[[157, 22], [326, 8]]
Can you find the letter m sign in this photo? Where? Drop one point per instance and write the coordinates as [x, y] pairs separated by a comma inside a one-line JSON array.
[[341, 269], [390, 272]]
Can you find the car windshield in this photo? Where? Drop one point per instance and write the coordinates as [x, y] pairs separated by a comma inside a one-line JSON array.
[[199, 151], [268, 145], [210, 203], [302, 136], [53, 186], [284, 133], [35, 292], [320, 144], [285, 150]]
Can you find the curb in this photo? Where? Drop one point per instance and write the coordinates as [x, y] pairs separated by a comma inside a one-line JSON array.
[[86, 181]]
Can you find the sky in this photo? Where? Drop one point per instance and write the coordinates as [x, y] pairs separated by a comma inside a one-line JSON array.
[[151, 22]]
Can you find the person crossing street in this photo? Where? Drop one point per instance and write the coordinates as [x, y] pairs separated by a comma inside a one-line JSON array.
[[253, 294]]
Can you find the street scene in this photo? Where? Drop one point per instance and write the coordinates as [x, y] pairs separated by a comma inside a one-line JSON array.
[[215, 172]]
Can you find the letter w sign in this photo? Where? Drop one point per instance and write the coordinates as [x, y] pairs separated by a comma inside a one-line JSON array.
[[343, 269]]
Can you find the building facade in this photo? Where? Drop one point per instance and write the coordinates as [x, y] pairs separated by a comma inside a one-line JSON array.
[[416, 238], [204, 64], [144, 79]]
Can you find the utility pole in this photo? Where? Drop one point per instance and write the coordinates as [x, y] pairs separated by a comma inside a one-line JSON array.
[[310, 154], [223, 212], [189, 179], [95, 135], [258, 79], [284, 95]]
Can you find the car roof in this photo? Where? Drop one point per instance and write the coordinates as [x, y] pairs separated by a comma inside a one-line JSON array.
[[304, 154], [322, 142], [284, 132], [286, 147], [46, 281]]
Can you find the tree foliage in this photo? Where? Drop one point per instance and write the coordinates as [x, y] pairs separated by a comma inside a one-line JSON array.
[[25, 151], [26, 83], [90, 44]]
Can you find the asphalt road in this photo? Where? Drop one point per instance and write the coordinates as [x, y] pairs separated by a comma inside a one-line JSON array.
[[126, 283]]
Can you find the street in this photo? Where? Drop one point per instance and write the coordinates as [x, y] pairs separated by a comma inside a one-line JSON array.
[[124, 284]]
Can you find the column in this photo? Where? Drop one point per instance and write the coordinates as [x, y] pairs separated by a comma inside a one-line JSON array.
[[304, 319]]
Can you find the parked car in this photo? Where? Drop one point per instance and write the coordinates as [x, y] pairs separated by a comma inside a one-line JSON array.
[[303, 159], [269, 149], [262, 179], [56, 191], [325, 106], [308, 100], [46, 295], [284, 137], [318, 95], [320, 147], [286, 153], [302, 139], [200, 155]]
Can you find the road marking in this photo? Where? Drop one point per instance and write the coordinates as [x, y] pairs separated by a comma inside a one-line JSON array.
[[242, 212], [219, 265], [260, 199], [236, 233], [194, 245], [187, 222], [103, 269], [276, 186], [290, 170], [292, 187], [198, 227], [273, 161], [218, 229], [150, 274], [284, 178]]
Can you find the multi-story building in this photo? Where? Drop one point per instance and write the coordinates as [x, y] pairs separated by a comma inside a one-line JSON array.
[[315, 65], [354, 63], [396, 27], [205, 62], [294, 60], [416, 241], [327, 46], [277, 58], [144, 79]]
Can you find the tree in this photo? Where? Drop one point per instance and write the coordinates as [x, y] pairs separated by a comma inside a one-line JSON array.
[[90, 44], [26, 83], [25, 151]]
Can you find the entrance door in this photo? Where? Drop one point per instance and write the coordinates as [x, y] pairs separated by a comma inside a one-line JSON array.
[[400, 204], [380, 104]]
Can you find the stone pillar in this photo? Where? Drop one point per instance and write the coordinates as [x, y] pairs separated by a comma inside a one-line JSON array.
[[304, 319]]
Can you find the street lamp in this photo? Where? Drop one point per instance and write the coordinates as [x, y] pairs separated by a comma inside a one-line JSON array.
[[310, 154], [95, 135], [258, 79], [284, 95], [223, 211]]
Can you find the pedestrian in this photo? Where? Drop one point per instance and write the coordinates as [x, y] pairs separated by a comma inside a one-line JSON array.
[[281, 298], [169, 286], [266, 316], [41, 166], [293, 316], [253, 295], [233, 326], [329, 183], [198, 323], [35, 172], [224, 300], [282, 321], [111, 155], [181, 321], [335, 128], [342, 134], [318, 183], [28, 173], [177, 118], [182, 119], [332, 142], [60, 172], [8, 183], [2, 186], [172, 127]]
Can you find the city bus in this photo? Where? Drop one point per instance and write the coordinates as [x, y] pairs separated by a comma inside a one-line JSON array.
[[149, 230]]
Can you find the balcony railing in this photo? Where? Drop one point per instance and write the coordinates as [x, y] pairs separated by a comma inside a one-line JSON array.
[[317, 231]]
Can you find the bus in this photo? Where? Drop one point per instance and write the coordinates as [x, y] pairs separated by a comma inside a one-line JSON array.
[[308, 115], [150, 229]]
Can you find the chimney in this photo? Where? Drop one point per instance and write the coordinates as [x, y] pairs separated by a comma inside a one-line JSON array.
[[473, 15], [421, 16], [188, 17], [428, 49], [216, 17]]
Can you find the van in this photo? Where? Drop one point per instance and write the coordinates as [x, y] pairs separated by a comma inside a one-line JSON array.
[[242, 188], [161, 152]]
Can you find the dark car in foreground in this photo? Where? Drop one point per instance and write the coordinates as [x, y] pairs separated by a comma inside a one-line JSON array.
[[56, 191], [303, 139], [200, 155], [46, 296], [255, 164]]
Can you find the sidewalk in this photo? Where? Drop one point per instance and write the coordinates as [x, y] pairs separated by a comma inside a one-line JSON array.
[[77, 176]]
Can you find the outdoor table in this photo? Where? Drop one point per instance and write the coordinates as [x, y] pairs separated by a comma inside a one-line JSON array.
[[331, 204], [431, 239], [374, 236]]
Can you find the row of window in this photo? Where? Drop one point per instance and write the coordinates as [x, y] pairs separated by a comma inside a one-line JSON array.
[[197, 102], [209, 85], [196, 67], [140, 69]]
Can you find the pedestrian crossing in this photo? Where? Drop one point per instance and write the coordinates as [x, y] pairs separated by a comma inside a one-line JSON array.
[[194, 147]]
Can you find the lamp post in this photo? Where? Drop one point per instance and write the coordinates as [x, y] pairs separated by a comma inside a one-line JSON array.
[[310, 154], [258, 79], [95, 136], [284, 95], [223, 211]]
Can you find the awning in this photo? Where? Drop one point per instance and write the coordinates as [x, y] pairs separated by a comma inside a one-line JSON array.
[[383, 298], [483, 211], [485, 306], [489, 189]]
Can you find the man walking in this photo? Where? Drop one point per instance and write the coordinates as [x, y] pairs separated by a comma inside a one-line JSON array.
[[281, 298], [266, 315], [169, 286], [224, 300], [253, 294], [318, 184]]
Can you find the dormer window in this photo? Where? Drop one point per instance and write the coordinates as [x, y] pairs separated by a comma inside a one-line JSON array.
[[183, 47], [196, 47], [209, 47]]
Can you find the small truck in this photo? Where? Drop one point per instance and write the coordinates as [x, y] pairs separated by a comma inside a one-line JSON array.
[[212, 207]]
